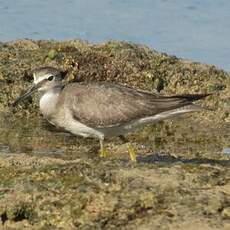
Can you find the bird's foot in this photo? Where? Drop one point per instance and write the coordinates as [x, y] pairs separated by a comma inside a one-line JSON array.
[[132, 153], [103, 153]]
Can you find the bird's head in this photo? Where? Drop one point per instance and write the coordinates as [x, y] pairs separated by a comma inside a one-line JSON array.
[[45, 78]]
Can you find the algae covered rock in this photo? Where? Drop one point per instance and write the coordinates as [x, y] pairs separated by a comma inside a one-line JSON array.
[[113, 61], [52, 180]]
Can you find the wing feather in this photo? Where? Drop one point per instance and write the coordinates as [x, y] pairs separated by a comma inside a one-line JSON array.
[[105, 104]]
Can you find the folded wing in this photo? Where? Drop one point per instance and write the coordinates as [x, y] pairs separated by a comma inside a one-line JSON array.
[[101, 105]]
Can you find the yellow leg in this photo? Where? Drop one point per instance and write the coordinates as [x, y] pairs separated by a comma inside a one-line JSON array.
[[132, 153], [102, 152]]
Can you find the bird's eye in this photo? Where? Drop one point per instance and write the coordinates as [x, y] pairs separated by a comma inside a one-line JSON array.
[[50, 78]]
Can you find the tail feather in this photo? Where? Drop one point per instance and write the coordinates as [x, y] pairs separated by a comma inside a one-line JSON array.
[[190, 108], [165, 103], [191, 97]]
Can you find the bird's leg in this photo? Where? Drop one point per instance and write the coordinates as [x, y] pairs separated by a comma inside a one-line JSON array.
[[102, 152], [131, 150]]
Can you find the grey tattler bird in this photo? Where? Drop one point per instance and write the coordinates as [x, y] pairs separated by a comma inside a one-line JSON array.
[[103, 109]]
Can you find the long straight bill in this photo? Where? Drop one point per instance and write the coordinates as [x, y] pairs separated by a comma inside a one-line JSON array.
[[28, 92]]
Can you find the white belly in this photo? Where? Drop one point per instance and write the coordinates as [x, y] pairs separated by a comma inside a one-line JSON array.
[[78, 128]]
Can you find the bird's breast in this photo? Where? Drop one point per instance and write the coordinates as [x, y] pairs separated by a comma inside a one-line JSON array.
[[48, 103]]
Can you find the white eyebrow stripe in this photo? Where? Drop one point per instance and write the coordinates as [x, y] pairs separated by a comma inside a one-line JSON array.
[[39, 79]]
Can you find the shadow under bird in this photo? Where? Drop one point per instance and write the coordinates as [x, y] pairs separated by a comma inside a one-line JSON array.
[[101, 109]]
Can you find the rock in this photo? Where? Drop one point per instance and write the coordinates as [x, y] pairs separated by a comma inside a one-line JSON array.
[[60, 183], [115, 61], [226, 213]]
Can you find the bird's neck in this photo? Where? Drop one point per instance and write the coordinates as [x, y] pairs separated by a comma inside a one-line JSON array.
[[48, 101]]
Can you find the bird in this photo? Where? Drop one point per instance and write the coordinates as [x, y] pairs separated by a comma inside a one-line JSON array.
[[102, 109]]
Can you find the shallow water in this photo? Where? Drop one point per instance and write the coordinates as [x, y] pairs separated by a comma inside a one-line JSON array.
[[226, 150], [181, 138], [197, 30]]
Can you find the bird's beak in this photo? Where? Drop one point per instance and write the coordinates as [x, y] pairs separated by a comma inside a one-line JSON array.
[[28, 92]]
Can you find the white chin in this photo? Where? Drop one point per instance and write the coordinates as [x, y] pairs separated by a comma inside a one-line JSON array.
[[42, 89]]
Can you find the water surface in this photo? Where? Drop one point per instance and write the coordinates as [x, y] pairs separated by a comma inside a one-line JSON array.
[[184, 138], [198, 30]]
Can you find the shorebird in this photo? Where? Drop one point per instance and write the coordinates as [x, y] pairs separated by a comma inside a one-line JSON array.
[[102, 109]]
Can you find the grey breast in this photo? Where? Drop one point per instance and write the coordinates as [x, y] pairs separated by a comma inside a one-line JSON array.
[[105, 104]]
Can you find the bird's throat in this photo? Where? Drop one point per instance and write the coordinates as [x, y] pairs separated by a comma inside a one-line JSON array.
[[48, 102]]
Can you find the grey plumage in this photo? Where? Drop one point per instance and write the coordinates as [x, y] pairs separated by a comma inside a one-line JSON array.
[[103, 105], [42, 71]]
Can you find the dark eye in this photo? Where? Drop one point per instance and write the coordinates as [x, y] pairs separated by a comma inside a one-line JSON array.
[[50, 78]]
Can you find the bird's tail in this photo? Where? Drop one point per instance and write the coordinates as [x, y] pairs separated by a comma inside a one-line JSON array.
[[190, 97], [165, 103]]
